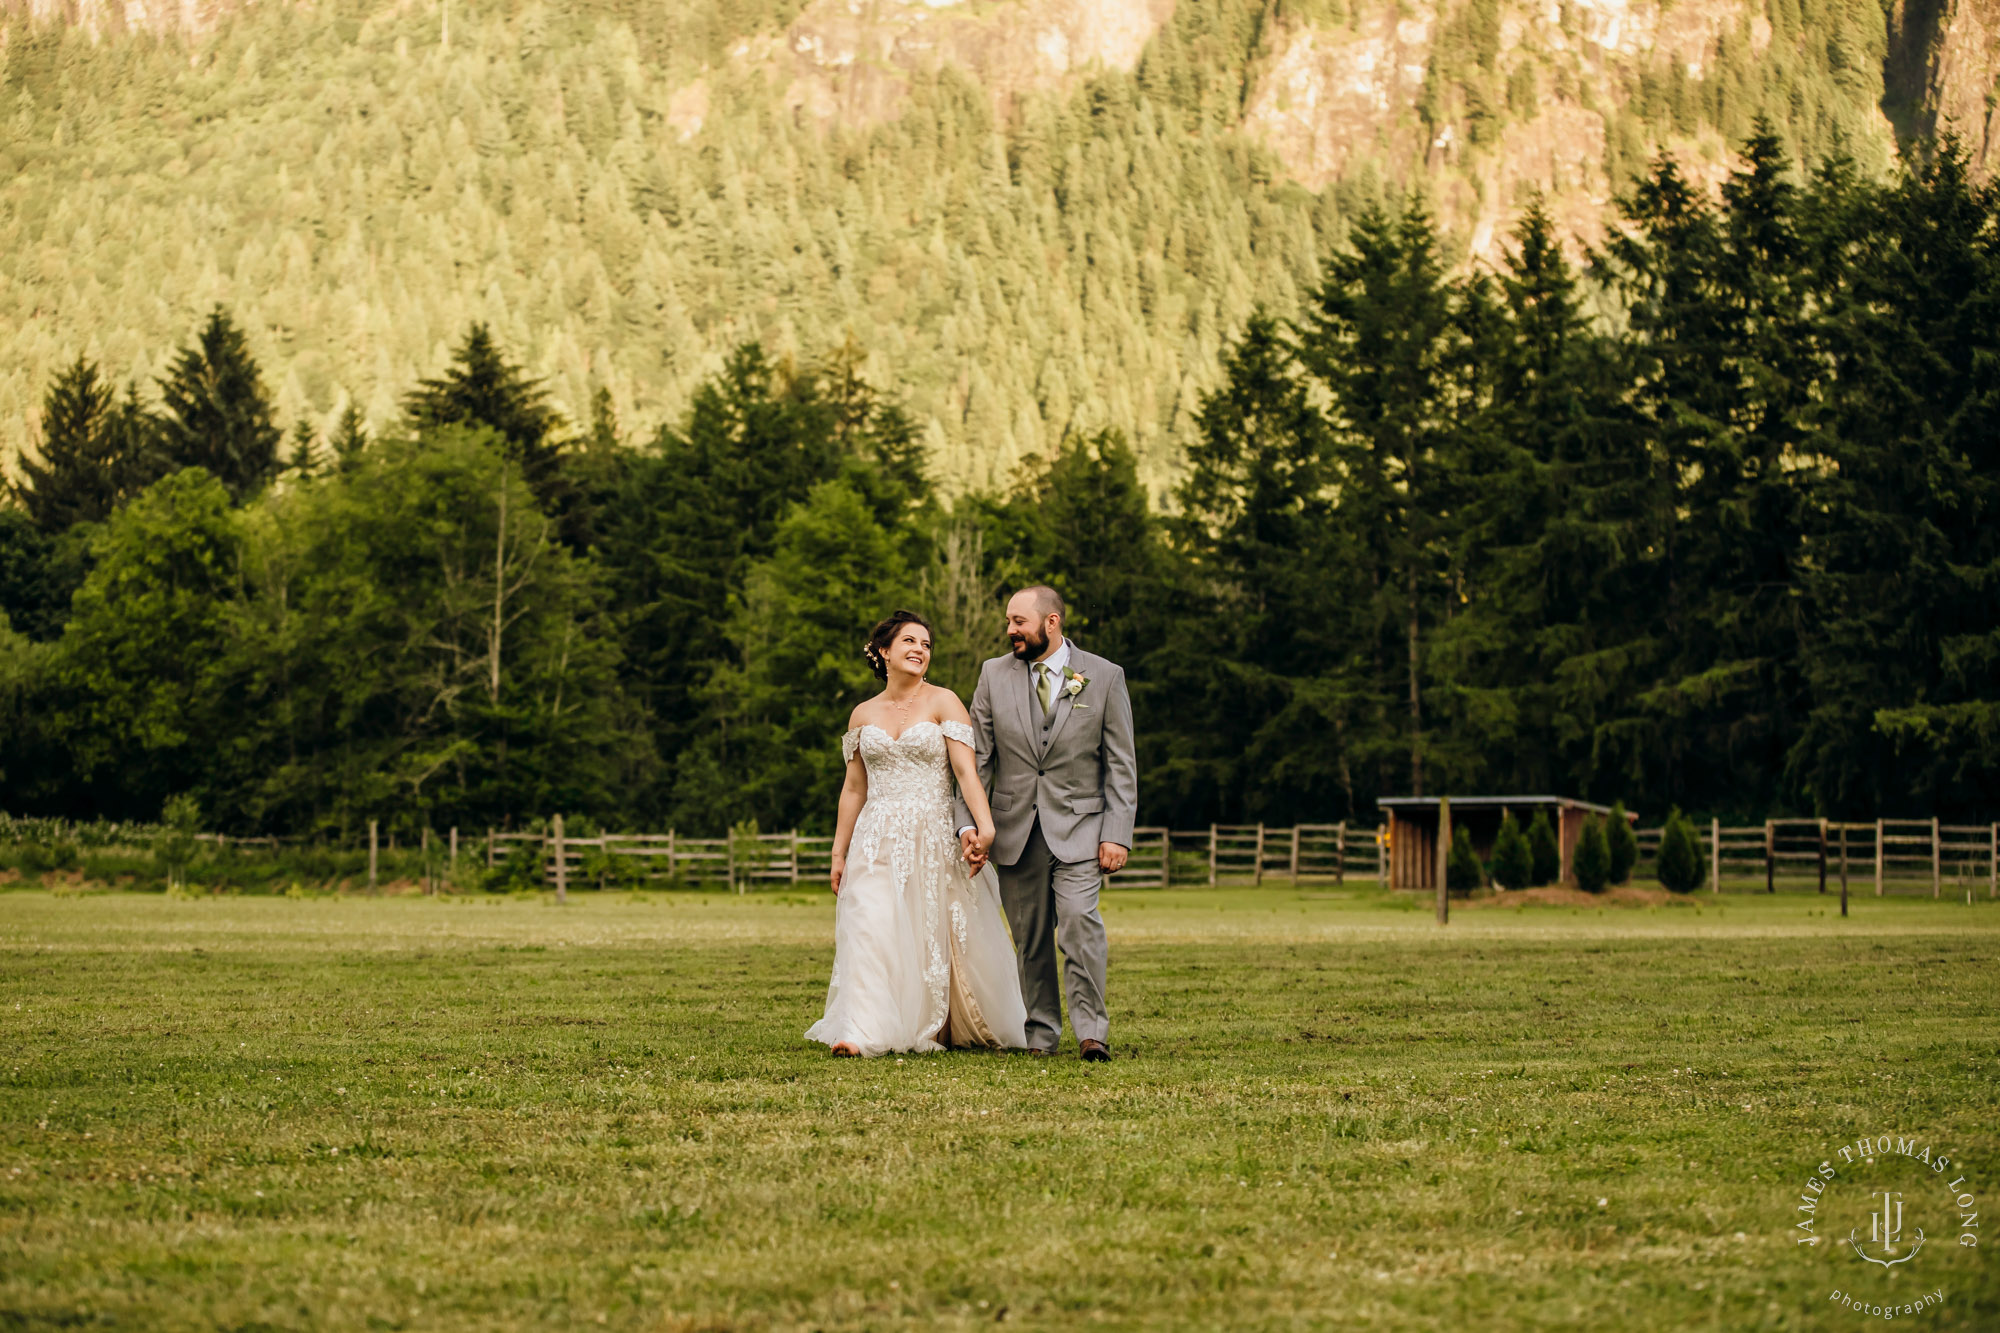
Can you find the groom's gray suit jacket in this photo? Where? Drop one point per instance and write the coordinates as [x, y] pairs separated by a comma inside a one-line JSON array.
[[1082, 781]]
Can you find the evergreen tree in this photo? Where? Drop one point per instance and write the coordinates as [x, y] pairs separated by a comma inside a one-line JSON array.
[[1681, 868], [481, 387], [216, 413], [1902, 587], [1621, 843], [350, 440], [1384, 337], [1513, 864], [1590, 864], [304, 460], [1543, 849], [1462, 871], [94, 452]]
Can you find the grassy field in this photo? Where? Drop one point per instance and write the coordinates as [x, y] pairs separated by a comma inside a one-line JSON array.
[[493, 1112]]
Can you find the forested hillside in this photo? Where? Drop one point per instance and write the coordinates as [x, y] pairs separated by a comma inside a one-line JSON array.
[[1034, 217]]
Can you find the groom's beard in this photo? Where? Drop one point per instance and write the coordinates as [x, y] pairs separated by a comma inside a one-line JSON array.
[[1028, 647]]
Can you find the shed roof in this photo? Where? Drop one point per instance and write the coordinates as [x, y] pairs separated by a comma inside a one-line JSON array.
[[1489, 802]]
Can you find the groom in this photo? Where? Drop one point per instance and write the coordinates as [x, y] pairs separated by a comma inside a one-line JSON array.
[[1052, 729]]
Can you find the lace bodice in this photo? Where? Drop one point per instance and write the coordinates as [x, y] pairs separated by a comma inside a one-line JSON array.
[[912, 767]]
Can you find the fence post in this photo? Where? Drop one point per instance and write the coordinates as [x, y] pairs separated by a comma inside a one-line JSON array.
[[1295, 855], [1444, 859], [729, 851], [795, 856], [453, 869], [670, 853], [1878, 858], [1714, 855], [489, 846], [1993, 864], [1822, 855], [1770, 857], [371, 853], [1937, 867], [1211, 856], [425, 838], [1258, 878], [562, 862], [1843, 870], [1340, 853]]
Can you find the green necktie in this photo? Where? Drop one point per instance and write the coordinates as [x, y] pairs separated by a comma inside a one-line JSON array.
[[1046, 689]]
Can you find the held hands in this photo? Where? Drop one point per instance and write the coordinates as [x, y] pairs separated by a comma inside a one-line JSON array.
[[1111, 857], [976, 847]]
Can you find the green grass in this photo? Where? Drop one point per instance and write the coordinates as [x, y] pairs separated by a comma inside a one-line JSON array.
[[482, 1113]]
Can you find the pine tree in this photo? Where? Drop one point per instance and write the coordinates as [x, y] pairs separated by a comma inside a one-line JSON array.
[[304, 460], [1513, 864], [1680, 865], [482, 387], [1590, 865], [1545, 852], [1622, 843], [1462, 871], [94, 452], [216, 412], [350, 440]]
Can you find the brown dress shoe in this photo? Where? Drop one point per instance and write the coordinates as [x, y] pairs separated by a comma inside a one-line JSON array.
[[1093, 1050]]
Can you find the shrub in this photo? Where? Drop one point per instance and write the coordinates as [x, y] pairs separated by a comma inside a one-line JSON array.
[[1592, 863], [1462, 871], [1542, 847], [1624, 844], [1680, 866], [175, 847], [1513, 864]]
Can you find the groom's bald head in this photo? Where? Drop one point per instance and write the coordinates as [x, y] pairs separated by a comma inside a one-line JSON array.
[[1034, 618], [1045, 600]]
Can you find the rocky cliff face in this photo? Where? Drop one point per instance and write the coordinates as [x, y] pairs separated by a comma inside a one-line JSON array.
[[1939, 76]]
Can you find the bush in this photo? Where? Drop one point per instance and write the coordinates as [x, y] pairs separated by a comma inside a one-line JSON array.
[[175, 847], [1513, 864], [1624, 844], [1542, 847], [1680, 867], [1462, 871], [1592, 862]]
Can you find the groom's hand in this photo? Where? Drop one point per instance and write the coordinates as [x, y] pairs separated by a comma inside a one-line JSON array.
[[968, 846], [1111, 857]]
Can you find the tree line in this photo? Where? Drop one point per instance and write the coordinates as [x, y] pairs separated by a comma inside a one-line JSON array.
[[1704, 520]]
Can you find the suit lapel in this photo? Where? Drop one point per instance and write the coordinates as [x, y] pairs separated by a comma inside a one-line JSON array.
[[1063, 701], [1024, 703]]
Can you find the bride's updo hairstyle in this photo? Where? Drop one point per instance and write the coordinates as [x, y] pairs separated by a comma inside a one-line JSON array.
[[877, 648]]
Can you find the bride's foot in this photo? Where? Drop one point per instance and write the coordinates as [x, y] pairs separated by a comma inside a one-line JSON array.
[[847, 1049]]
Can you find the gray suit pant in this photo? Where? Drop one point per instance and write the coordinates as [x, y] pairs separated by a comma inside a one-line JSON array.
[[1050, 903]]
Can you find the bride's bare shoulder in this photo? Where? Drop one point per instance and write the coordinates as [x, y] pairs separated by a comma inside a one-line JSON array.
[[863, 714], [946, 706]]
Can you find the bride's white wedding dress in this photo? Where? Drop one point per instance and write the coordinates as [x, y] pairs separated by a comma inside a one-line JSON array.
[[916, 944]]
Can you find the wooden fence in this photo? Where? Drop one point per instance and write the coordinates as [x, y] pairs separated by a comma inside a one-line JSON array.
[[1893, 856], [1222, 854]]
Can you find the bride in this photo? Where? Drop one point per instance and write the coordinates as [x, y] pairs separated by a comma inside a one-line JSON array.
[[921, 954]]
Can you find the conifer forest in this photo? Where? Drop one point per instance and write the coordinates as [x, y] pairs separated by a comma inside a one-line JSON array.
[[452, 426]]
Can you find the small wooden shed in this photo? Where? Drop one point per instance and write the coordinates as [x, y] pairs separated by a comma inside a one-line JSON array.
[[1412, 854]]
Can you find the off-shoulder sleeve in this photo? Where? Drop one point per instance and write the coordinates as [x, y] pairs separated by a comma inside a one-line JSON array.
[[957, 731], [849, 743]]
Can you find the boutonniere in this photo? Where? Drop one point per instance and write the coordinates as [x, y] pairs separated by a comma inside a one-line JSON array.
[[1073, 683]]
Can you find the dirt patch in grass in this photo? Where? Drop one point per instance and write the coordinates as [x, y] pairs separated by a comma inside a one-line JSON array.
[[1627, 895]]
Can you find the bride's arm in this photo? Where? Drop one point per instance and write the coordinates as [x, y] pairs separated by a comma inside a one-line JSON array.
[[965, 767], [853, 795]]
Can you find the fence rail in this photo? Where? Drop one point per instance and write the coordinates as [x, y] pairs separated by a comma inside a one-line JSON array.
[[1891, 856]]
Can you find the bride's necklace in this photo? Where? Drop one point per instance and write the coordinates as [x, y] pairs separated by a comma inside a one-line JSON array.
[[901, 708]]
